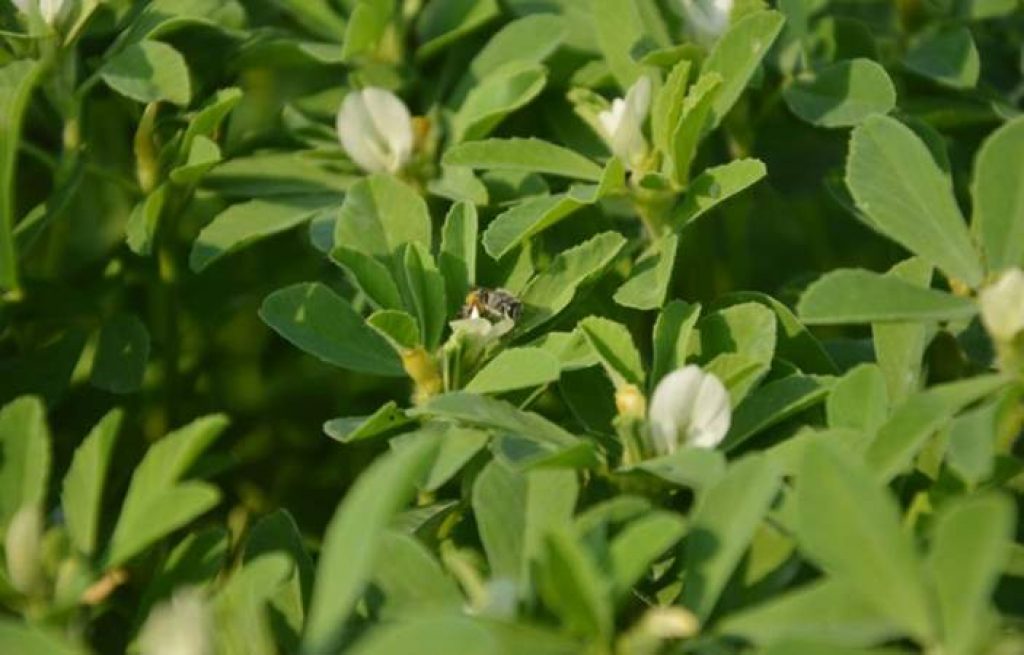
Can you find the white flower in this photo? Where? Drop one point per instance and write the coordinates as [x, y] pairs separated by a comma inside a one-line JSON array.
[[22, 545], [180, 626], [50, 10], [375, 129], [689, 407], [622, 125], [707, 19], [1002, 306]]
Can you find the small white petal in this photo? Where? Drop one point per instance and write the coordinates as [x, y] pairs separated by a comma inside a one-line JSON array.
[[375, 129], [689, 407], [623, 123], [1002, 306], [52, 10], [23, 5], [707, 19]]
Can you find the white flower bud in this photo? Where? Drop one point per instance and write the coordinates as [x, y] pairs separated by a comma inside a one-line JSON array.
[[22, 545], [375, 129], [622, 125], [689, 408], [706, 20], [49, 10], [1002, 306], [182, 625]]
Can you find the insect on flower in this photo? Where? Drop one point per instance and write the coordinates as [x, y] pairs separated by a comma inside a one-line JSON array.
[[492, 304]]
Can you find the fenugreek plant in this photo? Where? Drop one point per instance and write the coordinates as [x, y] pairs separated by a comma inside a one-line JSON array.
[[619, 327]]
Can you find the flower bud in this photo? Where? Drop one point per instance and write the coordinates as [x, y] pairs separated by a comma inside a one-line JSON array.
[[23, 545], [689, 408], [180, 626], [376, 130], [1002, 306], [630, 401], [50, 11], [622, 125], [706, 20]]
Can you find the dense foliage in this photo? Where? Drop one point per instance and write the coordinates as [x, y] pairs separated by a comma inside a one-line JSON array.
[[653, 326]]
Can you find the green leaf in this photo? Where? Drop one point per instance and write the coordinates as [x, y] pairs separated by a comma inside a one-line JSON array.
[[370, 276], [457, 259], [514, 511], [618, 28], [895, 181], [715, 185], [668, 105], [422, 289], [367, 25], [859, 400], [149, 71], [17, 80], [504, 91], [648, 283], [527, 155], [386, 419], [948, 57], [690, 467], [900, 346], [458, 447], [352, 540], [82, 494], [491, 414], [639, 545], [971, 452], [722, 526], [157, 503], [121, 356], [910, 425], [144, 221], [970, 549], [380, 215], [738, 344], [826, 611], [573, 587], [462, 635], [25, 464], [442, 23], [195, 561], [857, 296], [552, 291], [22, 638], [999, 196], [203, 155], [614, 346], [737, 55], [399, 329], [842, 94], [325, 325], [850, 525], [534, 215], [672, 333], [692, 124], [772, 404], [531, 38], [516, 368], [242, 225], [267, 174], [410, 579]]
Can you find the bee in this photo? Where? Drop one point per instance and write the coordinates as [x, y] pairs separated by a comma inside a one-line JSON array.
[[493, 304]]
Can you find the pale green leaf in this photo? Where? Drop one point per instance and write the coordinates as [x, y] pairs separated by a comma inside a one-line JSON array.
[[737, 55], [516, 368], [895, 181], [999, 196], [149, 71], [528, 155], [614, 346], [948, 57], [25, 461], [82, 494], [857, 296], [352, 540], [842, 94], [325, 325]]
